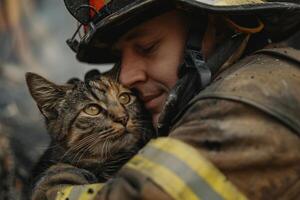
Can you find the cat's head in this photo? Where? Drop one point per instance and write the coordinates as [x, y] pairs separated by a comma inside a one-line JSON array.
[[92, 115]]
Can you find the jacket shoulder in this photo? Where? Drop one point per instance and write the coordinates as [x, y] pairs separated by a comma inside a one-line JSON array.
[[268, 80]]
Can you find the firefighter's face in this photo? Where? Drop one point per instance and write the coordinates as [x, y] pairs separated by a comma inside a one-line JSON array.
[[151, 54]]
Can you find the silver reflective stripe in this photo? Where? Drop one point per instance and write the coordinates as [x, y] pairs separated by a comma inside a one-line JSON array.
[[196, 183], [182, 172], [75, 193]]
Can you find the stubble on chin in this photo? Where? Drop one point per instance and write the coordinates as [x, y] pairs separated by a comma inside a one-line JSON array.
[[156, 87], [155, 118]]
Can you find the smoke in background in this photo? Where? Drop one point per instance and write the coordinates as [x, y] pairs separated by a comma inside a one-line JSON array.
[[32, 38]]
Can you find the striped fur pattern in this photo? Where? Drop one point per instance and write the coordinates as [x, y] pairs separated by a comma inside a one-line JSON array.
[[96, 124]]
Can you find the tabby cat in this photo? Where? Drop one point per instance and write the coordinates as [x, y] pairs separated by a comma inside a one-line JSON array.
[[96, 124]]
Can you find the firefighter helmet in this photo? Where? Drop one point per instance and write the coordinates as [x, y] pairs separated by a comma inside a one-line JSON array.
[[105, 20]]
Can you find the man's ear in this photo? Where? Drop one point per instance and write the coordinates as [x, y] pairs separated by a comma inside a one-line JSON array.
[[46, 94]]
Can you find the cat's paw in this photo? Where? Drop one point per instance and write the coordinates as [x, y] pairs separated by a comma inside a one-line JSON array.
[[58, 176]]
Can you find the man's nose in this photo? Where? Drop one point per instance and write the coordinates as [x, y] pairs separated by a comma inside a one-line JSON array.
[[133, 70]]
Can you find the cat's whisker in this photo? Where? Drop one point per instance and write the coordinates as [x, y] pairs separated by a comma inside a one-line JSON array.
[[80, 149], [80, 156], [104, 151], [106, 148], [64, 156], [88, 139], [108, 152], [77, 148]]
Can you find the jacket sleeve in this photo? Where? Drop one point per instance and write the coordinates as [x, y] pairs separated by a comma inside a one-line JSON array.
[[255, 151]]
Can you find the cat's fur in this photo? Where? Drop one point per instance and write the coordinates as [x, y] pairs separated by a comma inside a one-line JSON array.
[[100, 143]]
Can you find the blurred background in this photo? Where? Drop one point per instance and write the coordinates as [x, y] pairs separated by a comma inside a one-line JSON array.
[[32, 38]]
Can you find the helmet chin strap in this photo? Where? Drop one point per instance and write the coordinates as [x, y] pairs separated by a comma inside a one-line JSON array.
[[195, 74], [193, 56]]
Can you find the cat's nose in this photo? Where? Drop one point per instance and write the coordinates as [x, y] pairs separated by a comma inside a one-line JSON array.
[[122, 119]]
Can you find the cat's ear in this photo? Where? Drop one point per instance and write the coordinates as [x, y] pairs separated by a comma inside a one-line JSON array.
[[46, 94], [92, 75], [73, 81], [114, 72]]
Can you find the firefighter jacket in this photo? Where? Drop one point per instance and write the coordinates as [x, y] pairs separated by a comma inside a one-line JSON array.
[[237, 139]]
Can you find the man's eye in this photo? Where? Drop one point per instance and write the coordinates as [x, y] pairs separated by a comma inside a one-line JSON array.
[[147, 49], [92, 109]]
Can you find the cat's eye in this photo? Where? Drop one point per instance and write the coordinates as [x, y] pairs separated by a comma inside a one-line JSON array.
[[124, 98], [92, 109]]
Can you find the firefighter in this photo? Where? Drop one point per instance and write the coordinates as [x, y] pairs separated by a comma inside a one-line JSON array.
[[221, 79]]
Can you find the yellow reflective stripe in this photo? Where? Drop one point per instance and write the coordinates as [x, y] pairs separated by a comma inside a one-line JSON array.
[[201, 165], [169, 181], [79, 192], [237, 2], [64, 193], [192, 180]]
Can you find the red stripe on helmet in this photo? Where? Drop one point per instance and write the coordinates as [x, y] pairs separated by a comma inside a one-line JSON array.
[[97, 4]]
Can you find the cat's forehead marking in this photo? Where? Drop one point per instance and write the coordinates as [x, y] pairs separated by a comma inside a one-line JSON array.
[[111, 85], [103, 89], [95, 90], [106, 89], [113, 90], [98, 85]]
